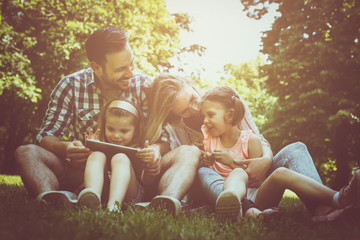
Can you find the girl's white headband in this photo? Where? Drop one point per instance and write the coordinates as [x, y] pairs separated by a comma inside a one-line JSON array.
[[124, 105]]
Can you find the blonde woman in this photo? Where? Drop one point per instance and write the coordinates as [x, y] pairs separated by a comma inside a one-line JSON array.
[[174, 109]]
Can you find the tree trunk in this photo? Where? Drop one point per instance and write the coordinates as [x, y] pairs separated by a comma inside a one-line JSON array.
[[341, 155]]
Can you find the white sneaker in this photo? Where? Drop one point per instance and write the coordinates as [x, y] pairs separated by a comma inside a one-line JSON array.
[[57, 199], [170, 204], [88, 198], [228, 205], [142, 205]]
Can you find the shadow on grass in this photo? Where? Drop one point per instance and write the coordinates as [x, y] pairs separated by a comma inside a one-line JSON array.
[[22, 218]]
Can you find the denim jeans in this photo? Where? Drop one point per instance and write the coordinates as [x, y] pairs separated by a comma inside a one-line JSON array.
[[208, 184]]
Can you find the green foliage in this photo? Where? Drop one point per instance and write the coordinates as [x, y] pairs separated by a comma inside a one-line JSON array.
[[247, 80], [313, 71], [22, 218], [43, 41]]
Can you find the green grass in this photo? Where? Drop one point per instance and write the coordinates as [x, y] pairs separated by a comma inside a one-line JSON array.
[[22, 218]]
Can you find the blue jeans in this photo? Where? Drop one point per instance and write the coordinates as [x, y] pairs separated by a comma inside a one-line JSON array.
[[208, 184]]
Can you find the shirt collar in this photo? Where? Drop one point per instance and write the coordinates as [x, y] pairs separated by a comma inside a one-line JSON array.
[[91, 77]]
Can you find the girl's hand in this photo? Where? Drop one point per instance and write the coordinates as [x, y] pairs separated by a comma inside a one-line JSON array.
[[207, 159], [223, 157], [93, 136], [151, 159]]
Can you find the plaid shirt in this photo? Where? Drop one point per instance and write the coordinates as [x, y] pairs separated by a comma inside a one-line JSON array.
[[75, 104]]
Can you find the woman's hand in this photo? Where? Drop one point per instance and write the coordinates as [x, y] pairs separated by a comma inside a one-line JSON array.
[[151, 158], [259, 162], [257, 169]]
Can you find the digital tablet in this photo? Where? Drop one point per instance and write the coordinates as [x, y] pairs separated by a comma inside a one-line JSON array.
[[110, 149]]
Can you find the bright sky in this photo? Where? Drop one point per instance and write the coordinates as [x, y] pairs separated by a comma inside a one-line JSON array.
[[224, 29]]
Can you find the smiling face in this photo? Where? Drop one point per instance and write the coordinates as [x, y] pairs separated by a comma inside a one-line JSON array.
[[216, 118], [117, 70], [119, 130], [187, 102]]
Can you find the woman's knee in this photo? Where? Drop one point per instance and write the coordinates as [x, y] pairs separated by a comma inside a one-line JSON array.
[[187, 149], [293, 152], [188, 153], [280, 173], [296, 146]]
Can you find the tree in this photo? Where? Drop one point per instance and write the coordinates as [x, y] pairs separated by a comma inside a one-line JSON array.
[[44, 40], [314, 68], [248, 81]]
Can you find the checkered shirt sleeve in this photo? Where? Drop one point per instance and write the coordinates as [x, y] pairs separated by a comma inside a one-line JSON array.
[[71, 106]]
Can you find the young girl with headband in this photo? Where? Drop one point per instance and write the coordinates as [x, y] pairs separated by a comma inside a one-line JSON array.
[[119, 123], [225, 143]]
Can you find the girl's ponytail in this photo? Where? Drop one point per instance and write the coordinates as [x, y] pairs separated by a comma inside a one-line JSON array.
[[239, 110]]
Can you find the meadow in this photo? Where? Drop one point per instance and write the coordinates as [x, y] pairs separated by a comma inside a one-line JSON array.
[[22, 218]]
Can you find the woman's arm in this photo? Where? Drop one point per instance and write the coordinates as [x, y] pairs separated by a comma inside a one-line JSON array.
[[257, 168], [255, 147], [259, 162]]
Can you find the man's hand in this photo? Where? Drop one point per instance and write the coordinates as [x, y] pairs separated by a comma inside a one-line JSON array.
[[257, 169], [151, 158], [77, 153], [222, 156]]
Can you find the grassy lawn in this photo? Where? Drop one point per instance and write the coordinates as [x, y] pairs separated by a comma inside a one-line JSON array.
[[21, 218]]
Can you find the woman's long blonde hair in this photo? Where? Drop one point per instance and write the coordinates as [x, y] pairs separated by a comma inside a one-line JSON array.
[[162, 98]]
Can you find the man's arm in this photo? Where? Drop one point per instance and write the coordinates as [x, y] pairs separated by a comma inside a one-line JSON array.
[[57, 118], [53, 144], [75, 151]]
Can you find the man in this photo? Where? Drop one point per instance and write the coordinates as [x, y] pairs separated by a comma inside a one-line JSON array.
[[52, 164]]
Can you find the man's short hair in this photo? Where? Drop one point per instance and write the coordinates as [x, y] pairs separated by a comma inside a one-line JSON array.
[[103, 41]]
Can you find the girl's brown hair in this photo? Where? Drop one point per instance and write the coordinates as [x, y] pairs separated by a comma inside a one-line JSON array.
[[229, 98], [137, 121]]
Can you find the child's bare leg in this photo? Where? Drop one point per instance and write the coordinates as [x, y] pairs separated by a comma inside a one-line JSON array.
[[94, 172], [236, 183], [228, 204], [272, 190], [123, 183]]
